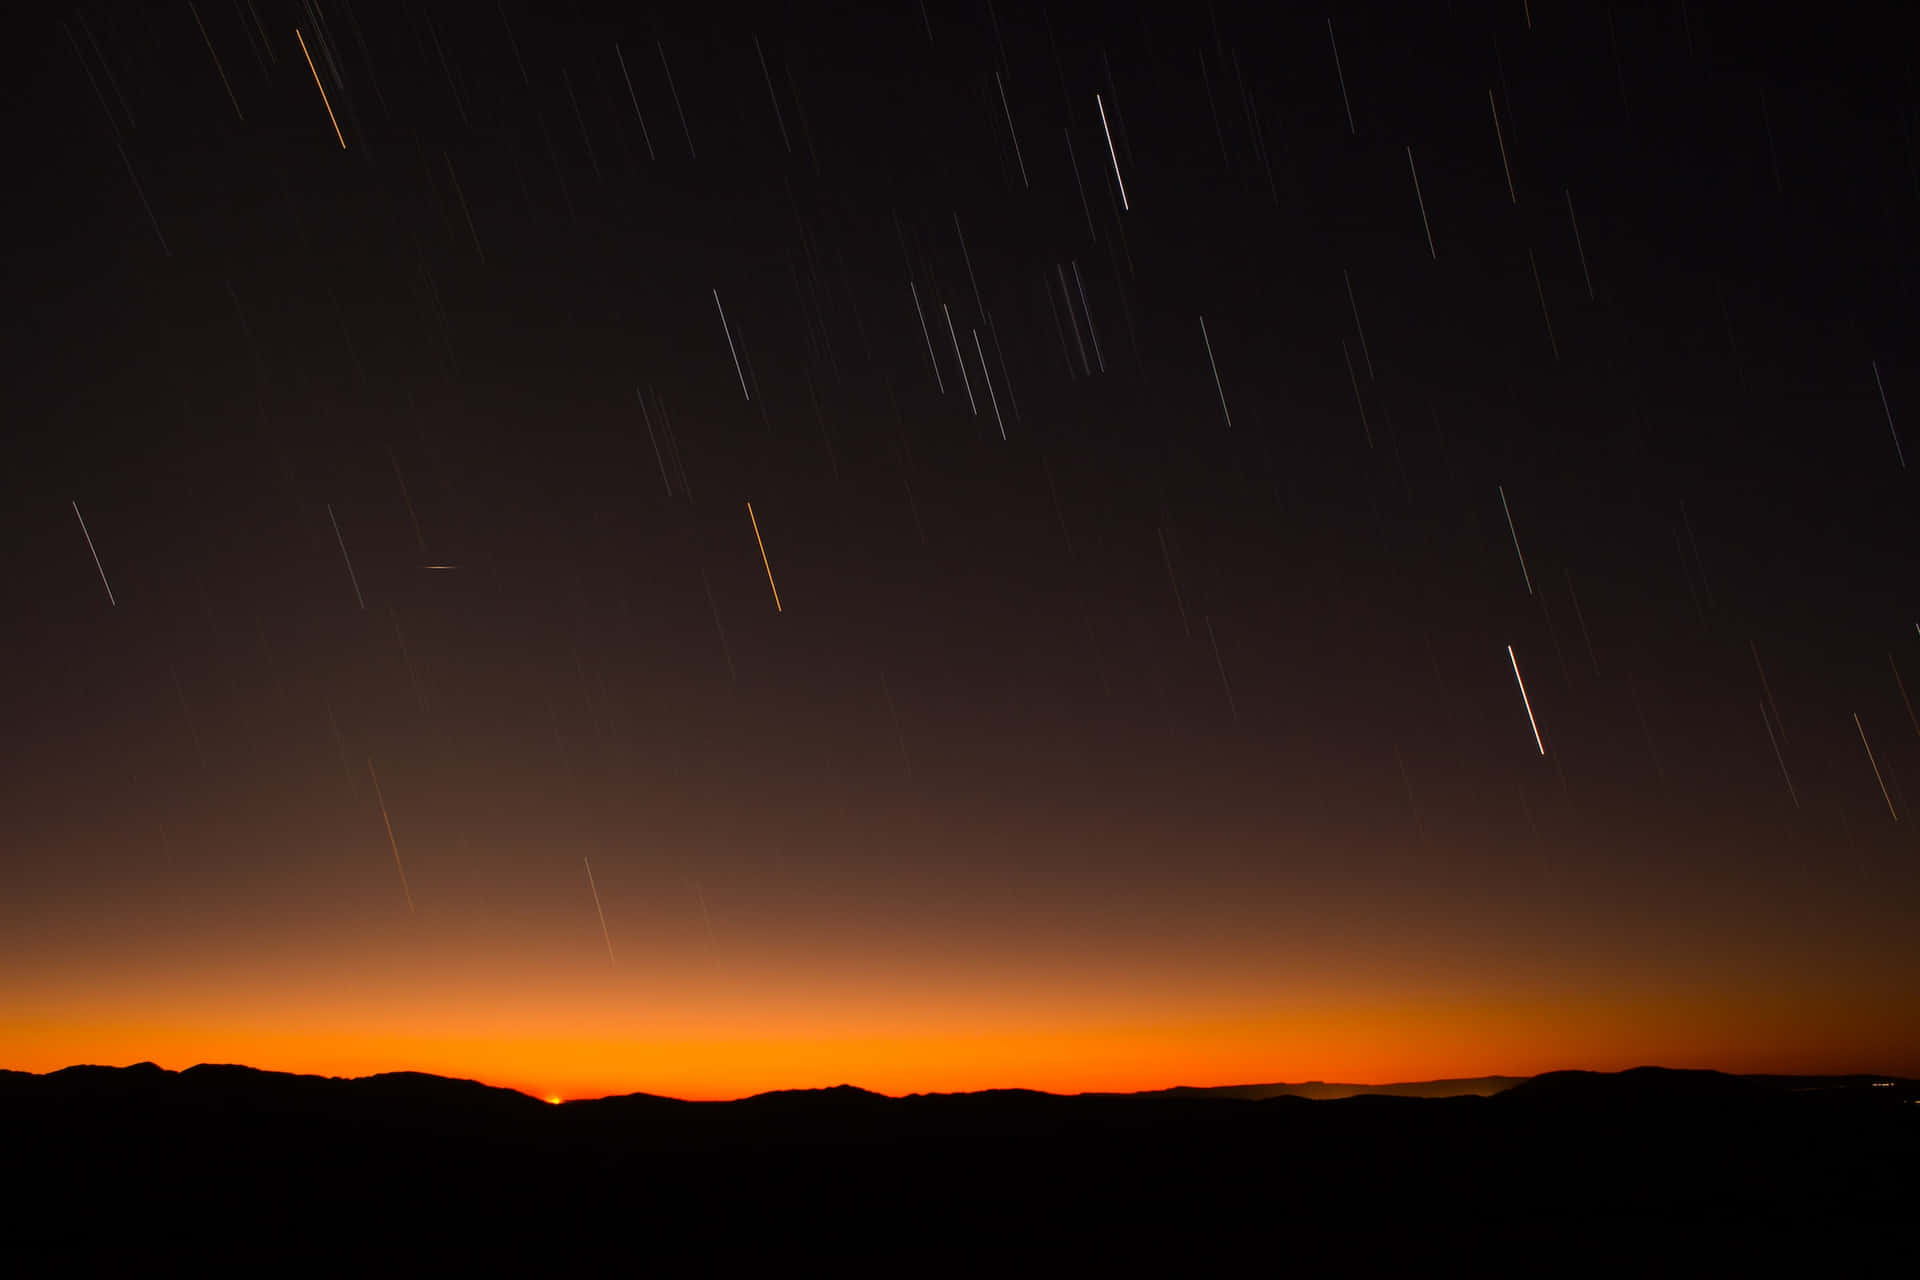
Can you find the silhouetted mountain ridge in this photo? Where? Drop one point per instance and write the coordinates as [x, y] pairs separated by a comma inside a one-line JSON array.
[[226, 1151]]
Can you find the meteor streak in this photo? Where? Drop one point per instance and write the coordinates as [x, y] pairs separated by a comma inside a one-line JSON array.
[[395, 844], [763, 558], [596, 907], [96, 555], [1876, 765], [1110, 152], [321, 87], [1535, 724]]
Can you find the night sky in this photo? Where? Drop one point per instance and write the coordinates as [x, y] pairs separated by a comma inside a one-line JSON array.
[[1169, 430]]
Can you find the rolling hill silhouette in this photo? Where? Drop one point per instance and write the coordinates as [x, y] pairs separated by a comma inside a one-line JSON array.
[[220, 1152]]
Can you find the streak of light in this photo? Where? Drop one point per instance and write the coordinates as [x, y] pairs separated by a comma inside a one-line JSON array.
[[1534, 724], [779, 119], [1876, 765], [1544, 314], [216, 60], [1013, 400], [1072, 319], [1225, 684], [934, 360], [1902, 684], [1512, 195], [1413, 169], [763, 560], [1081, 284], [598, 911], [1075, 165], [1516, 539], [321, 87], [114, 126], [1357, 326], [439, 566], [578, 119], [1018, 158], [1355, 379], [1777, 756], [988, 375], [1898, 451], [351, 577], [1343, 79], [1112, 154], [1768, 688], [1225, 412], [515, 44], [96, 555], [654, 440], [676, 101], [731, 350], [395, 844], [960, 360], [1582, 248], [631, 97], [967, 258]]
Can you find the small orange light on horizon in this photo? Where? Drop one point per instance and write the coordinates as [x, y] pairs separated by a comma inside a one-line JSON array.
[[554, 1101]]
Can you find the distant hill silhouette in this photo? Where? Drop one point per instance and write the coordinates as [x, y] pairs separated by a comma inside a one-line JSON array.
[[225, 1153], [1480, 1086]]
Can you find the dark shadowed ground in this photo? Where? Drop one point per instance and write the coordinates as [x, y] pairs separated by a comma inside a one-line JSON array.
[[404, 1170]]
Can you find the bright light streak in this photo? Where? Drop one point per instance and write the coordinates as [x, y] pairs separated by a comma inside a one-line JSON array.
[[960, 360], [724, 328], [96, 555], [390, 840], [763, 558], [1534, 724], [1516, 539], [1433, 252], [596, 907], [988, 375], [1216, 373], [351, 576], [1110, 151], [322, 88], [937, 379], [1876, 765]]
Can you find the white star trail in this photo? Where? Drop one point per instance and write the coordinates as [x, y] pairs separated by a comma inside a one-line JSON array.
[[1224, 411], [351, 576], [1112, 154], [1528, 702], [933, 359], [1516, 540], [1875, 764], [731, 349], [96, 555], [598, 911], [1425, 225], [381, 798]]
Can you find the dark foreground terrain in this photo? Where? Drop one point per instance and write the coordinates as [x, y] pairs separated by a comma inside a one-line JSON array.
[[403, 1170]]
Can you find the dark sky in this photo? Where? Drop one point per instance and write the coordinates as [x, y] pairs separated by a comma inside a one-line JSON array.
[[1116, 728]]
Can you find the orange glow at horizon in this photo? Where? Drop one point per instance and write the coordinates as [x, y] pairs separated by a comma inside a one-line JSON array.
[[1384, 1042]]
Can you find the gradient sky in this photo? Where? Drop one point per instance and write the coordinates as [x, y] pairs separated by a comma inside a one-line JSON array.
[[1137, 748]]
